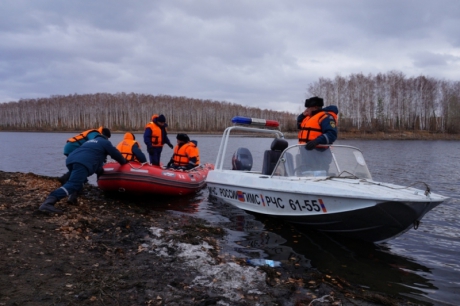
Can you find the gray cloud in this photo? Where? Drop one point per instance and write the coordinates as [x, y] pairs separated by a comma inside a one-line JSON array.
[[256, 53], [438, 61]]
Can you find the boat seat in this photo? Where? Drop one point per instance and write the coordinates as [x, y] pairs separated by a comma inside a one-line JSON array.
[[272, 156]]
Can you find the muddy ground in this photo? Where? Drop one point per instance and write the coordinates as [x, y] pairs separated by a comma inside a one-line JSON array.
[[109, 251]]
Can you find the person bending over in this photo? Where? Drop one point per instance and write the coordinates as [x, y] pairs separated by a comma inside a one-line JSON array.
[[82, 163]]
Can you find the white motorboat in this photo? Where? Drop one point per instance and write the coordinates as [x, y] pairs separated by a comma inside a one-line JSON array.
[[329, 188]]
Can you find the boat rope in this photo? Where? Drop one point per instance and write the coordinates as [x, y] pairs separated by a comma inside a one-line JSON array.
[[427, 187], [352, 176], [188, 170], [131, 165], [427, 190], [345, 171]]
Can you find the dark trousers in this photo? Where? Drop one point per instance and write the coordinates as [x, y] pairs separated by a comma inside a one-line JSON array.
[[155, 155], [78, 176]]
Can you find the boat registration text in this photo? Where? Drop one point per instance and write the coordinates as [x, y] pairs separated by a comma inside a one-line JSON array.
[[314, 205]]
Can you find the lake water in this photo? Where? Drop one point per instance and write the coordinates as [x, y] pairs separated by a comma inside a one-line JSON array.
[[422, 265]]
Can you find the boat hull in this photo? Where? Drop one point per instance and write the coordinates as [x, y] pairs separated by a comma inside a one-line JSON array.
[[378, 223], [141, 179], [351, 210]]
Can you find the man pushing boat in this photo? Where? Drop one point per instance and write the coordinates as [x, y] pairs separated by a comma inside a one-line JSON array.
[[82, 163]]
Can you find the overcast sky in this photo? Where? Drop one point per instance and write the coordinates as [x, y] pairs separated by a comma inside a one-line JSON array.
[[256, 53]]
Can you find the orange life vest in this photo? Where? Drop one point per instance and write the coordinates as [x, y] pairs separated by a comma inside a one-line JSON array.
[[195, 152], [126, 147], [83, 135], [311, 126], [182, 154], [156, 134]]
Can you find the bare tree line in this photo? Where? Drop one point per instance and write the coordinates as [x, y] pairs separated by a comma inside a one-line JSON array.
[[382, 102], [392, 101], [128, 112]]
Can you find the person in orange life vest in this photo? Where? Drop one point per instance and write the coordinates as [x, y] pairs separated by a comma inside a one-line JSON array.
[[317, 125], [76, 142], [155, 136], [185, 154], [82, 163], [131, 149]]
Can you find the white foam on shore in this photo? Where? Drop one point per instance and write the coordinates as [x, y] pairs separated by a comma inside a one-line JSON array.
[[226, 279]]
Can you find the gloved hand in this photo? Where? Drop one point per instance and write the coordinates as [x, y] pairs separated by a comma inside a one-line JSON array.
[[150, 150], [170, 145], [311, 144]]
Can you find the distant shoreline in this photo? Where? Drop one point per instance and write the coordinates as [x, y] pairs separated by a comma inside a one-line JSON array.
[[391, 135]]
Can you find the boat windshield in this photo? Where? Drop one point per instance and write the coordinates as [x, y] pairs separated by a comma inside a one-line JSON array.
[[336, 161]]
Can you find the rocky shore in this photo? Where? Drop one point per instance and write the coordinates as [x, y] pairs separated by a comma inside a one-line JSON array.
[[111, 251]]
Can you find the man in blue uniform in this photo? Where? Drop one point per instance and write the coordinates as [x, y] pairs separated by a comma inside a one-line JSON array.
[[82, 163]]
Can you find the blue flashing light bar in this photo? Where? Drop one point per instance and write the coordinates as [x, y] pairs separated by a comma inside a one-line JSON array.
[[255, 121]]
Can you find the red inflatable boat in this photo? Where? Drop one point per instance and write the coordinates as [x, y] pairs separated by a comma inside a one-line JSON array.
[[137, 178]]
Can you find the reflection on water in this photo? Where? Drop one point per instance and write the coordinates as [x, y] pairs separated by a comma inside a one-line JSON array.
[[358, 262]]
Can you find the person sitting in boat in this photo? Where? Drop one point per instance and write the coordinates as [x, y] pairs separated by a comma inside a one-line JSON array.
[[185, 155], [155, 136], [82, 163], [317, 125], [131, 149]]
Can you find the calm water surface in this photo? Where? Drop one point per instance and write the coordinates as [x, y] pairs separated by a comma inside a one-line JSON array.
[[422, 265]]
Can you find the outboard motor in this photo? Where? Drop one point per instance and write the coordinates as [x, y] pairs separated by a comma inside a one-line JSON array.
[[242, 159]]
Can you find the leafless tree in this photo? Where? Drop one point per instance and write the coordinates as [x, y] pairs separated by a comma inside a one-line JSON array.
[[132, 112]]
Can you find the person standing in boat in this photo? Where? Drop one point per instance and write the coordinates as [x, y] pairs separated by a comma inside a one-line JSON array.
[[82, 163], [131, 149], [186, 154], [317, 125], [155, 136]]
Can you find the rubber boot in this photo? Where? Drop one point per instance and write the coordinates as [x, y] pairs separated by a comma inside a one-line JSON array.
[[72, 200], [48, 205]]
